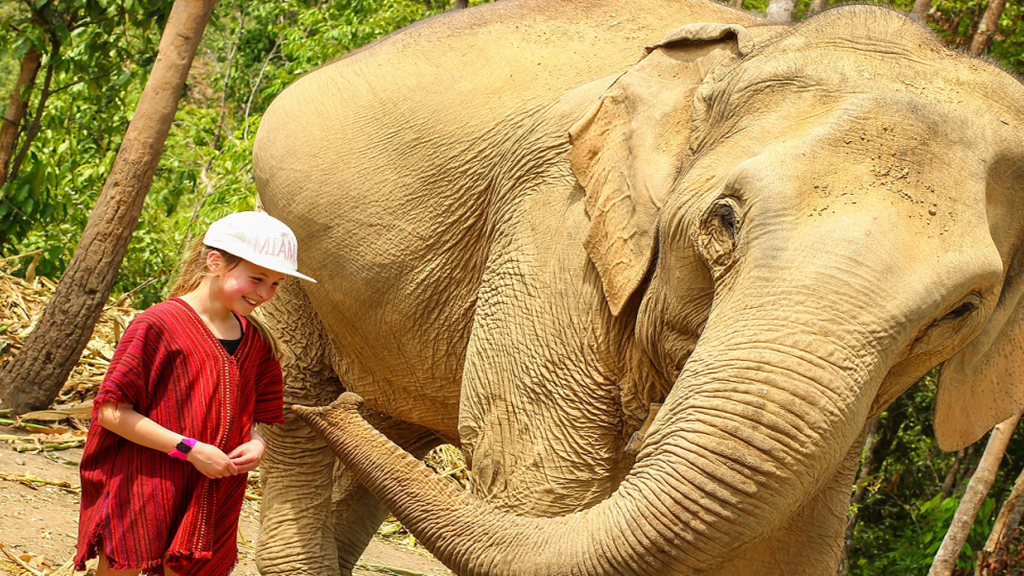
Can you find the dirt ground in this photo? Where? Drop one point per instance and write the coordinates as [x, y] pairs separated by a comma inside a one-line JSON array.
[[39, 522]]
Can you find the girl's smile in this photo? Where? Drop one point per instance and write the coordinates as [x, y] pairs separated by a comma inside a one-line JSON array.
[[245, 286], [231, 286]]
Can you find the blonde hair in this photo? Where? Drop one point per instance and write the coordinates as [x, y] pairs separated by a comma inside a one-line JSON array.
[[193, 270]]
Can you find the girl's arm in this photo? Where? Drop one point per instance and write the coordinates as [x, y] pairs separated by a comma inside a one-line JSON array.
[[123, 420]]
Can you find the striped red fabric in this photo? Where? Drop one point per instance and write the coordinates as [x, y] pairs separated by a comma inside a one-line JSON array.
[[140, 505]]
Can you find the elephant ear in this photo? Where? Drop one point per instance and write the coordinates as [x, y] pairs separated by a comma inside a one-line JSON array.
[[983, 384], [628, 149]]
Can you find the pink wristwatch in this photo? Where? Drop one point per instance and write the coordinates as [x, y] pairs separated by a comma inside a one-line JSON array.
[[183, 448]]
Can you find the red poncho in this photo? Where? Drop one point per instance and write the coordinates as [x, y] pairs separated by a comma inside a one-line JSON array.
[[140, 505]]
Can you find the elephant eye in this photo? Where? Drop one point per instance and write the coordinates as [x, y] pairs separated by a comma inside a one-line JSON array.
[[727, 217], [961, 311], [718, 235]]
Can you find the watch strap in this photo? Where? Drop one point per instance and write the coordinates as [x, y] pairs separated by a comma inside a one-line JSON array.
[[183, 448]]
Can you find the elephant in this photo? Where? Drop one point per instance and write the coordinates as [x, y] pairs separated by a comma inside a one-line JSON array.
[[652, 265]]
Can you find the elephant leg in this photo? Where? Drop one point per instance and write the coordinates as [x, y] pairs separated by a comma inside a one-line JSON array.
[[356, 516], [315, 518], [811, 542], [297, 533], [296, 514], [541, 410]]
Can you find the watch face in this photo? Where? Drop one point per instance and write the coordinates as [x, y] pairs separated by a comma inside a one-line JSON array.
[[183, 448]]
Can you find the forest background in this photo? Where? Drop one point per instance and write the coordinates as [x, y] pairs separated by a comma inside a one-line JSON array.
[[95, 56]]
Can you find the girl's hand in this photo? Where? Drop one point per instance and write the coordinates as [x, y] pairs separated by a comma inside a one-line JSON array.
[[247, 456], [210, 461]]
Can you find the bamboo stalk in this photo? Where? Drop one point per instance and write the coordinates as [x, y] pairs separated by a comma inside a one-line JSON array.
[[52, 446], [29, 426]]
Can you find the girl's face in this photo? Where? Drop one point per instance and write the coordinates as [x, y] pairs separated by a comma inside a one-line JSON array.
[[243, 287]]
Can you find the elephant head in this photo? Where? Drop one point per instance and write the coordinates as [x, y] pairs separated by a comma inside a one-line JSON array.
[[802, 222]]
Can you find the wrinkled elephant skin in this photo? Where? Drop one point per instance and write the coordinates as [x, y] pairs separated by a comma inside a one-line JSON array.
[[535, 219]]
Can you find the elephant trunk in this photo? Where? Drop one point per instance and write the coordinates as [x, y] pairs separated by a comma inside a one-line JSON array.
[[749, 432]]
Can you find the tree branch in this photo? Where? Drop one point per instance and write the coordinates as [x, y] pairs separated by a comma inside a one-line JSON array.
[[14, 114], [37, 118], [987, 27], [252, 93], [227, 78], [66, 86]]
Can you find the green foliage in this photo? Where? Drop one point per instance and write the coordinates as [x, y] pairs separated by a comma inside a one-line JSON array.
[[909, 548], [903, 511], [96, 57], [905, 516], [100, 53]]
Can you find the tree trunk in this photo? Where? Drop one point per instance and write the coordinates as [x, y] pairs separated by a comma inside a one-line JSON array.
[[34, 378], [781, 11], [866, 468], [987, 27], [16, 108], [977, 489], [816, 7], [460, 4], [920, 10], [992, 557]]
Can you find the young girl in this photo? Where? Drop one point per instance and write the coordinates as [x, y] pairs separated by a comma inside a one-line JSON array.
[[164, 468]]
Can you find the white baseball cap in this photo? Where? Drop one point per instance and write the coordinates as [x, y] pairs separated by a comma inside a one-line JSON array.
[[259, 238]]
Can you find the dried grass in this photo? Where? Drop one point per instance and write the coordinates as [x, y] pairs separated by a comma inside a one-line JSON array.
[[31, 564], [21, 305]]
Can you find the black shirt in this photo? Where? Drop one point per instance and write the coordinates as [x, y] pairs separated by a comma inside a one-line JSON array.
[[231, 345]]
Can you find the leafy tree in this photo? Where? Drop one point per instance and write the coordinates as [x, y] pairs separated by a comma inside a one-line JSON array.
[[52, 349], [96, 54], [205, 171]]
